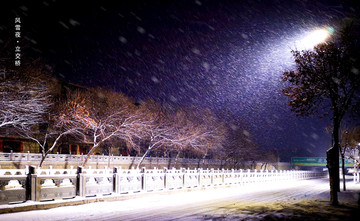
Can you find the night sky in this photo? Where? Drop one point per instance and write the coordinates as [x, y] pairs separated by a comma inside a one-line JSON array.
[[224, 55]]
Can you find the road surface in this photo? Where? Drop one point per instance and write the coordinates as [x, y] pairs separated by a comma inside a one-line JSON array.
[[270, 201]]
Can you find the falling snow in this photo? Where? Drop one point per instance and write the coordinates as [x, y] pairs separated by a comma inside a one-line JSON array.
[[154, 79], [221, 55], [73, 22], [141, 30], [122, 39]]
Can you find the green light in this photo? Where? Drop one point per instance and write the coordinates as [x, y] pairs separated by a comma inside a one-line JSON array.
[[331, 30]]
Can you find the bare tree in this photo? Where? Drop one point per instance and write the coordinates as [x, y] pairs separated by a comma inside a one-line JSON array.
[[354, 140], [156, 127], [45, 139], [26, 104], [180, 131], [238, 144], [24, 99], [103, 115], [325, 81], [50, 133], [196, 130]]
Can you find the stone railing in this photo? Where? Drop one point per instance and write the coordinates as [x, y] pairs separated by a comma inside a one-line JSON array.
[[19, 185], [13, 183], [51, 184], [356, 174], [36, 157]]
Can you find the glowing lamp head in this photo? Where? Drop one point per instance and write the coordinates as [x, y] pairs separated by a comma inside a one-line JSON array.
[[313, 38]]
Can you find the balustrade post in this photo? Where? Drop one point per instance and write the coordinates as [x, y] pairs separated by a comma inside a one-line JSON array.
[[115, 180], [30, 186], [79, 182], [248, 180], [241, 177], [143, 183], [184, 172], [266, 175], [255, 177], [165, 176]]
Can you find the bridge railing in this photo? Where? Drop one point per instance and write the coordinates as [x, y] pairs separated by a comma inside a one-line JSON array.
[[36, 157], [13, 184], [19, 185], [52, 184]]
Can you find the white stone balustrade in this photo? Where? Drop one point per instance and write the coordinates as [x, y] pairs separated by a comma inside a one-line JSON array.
[[53, 184], [12, 185], [218, 177], [174, 179], [127, 181], [95, 182], [205, 178], [36, 157], [191, 178], [153, 180]]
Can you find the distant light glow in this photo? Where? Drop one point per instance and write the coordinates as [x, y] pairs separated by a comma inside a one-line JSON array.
[[331, 30], [313, 38]]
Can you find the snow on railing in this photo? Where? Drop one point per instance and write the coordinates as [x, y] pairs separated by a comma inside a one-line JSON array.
[[18, 185], [12, 185]]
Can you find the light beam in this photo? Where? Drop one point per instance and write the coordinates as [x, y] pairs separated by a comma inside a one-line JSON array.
[[312, 39]]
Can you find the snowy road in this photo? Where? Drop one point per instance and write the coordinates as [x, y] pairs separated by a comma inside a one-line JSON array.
[[195, 205]]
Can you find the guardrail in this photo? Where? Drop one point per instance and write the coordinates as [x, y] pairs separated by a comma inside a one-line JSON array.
[[19, 185], [13, 183], [36, 157], [356, 174]]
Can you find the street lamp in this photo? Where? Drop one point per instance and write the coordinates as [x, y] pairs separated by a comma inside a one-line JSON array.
[[313, 38]]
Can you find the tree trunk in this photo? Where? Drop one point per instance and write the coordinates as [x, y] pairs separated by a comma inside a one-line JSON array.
[[176, 158], [332, 176], [43, 156], [336, 156], [333, 164], [343, 171], [143, 157], [90, 153], [42, 160]]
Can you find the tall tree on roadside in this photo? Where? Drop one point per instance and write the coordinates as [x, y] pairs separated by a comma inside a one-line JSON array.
[[156, 128], [27, 105], [239, 146], [24, 97], [197, 131], [326, 81], [103, 116], [53, 131]]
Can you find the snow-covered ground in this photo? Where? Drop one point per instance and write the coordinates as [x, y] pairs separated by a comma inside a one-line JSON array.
[[270, 201]]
